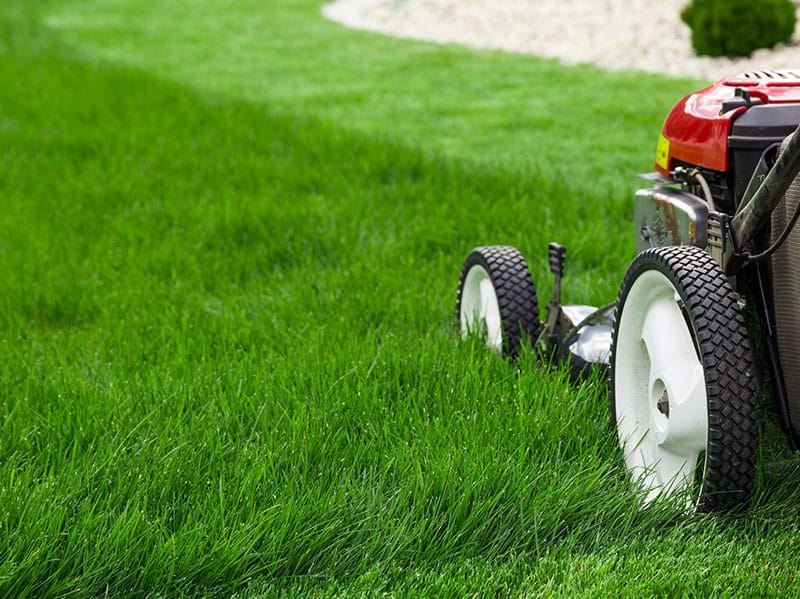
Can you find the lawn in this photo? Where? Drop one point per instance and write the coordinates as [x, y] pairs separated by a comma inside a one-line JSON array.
[[231, 233]]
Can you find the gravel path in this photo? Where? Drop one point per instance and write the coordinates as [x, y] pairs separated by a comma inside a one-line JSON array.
[[614, 34]]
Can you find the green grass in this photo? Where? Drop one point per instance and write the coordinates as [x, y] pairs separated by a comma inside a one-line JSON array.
[[230, 235]]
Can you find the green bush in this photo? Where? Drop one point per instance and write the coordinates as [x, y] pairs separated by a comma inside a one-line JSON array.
[[738, 27]]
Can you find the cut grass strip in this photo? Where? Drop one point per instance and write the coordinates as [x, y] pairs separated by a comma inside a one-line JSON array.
[[594, 130]]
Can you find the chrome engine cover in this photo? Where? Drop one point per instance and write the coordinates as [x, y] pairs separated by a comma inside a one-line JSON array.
[[666, 216]]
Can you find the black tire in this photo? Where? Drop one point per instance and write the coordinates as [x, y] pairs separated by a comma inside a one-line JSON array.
[[515, 294], [648, 344]]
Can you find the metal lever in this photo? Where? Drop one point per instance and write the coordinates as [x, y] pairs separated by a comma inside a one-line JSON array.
[[556, 254]]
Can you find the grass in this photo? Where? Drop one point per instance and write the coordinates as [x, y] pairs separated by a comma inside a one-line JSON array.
[[230, 236]]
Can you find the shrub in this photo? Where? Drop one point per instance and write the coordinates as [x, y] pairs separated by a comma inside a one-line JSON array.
[[738, 27]]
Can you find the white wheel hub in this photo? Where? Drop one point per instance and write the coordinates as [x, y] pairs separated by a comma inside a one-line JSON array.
[[480, 311], [659, 388]]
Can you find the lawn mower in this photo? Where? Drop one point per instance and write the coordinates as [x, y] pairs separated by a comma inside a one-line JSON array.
[[708, 311]]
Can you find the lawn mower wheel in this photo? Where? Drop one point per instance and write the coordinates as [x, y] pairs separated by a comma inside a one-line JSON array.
[[683, 394], [497, 299]]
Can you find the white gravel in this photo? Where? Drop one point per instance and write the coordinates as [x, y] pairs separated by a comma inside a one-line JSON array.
[[614, 34]]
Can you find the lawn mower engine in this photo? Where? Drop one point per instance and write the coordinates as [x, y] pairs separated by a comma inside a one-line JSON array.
[[715, 241], [718, 144]]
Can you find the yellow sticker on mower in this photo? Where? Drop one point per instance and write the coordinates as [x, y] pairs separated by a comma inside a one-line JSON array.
[[662, 152]]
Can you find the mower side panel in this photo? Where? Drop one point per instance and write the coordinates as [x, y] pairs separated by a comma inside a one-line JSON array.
[[785, 299], [665, 216]]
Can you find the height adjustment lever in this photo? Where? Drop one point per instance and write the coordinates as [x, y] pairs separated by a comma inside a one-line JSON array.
[[556, 254]]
